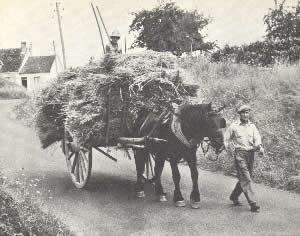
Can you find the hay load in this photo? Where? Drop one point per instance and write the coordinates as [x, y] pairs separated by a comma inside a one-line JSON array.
[[99, 102]]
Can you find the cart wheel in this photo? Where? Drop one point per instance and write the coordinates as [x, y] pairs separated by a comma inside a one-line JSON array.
[[79, 161]]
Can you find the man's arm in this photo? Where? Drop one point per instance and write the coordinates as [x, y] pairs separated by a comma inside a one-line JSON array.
[[227, 137], [107, 48], [257, 140]]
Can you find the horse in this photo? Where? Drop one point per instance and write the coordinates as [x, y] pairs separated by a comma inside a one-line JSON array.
[[183, 129]]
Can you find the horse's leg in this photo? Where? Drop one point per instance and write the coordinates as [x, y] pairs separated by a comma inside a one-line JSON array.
[[195, 194], [140, 160], [178, 199], [158, 168]]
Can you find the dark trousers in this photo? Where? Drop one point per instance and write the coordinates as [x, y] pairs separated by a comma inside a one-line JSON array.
[[244, 161]]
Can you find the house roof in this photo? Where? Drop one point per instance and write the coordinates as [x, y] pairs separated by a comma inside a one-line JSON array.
[[41, 64], [11, 59]]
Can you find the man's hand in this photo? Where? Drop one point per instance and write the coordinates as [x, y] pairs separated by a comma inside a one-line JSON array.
[[261, 150], [220, 149]]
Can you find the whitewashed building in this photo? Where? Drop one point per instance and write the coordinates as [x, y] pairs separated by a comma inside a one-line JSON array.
[[17, 65], [37, 72]]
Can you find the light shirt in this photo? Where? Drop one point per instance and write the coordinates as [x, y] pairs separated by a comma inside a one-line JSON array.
[[242, 136], [112, 48]]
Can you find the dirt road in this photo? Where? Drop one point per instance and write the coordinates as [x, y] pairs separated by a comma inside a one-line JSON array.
[[108, 206]]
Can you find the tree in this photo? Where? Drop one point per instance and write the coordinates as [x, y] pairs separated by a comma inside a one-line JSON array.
[[283, 30], [169, 28]]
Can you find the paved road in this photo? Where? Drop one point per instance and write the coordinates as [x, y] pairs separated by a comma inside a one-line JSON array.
[[108, 206]]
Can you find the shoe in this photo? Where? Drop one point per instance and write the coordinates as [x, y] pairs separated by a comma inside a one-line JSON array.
[[162, 197], [235, 201], [180, 203], [140, 194], [254, 207], [195, 204]]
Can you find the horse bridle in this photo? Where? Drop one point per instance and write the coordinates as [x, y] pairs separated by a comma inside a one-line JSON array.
[[205, 150]]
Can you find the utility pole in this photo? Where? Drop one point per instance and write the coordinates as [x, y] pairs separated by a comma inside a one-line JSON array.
[[61, 36], [55, 56], [125, 46]]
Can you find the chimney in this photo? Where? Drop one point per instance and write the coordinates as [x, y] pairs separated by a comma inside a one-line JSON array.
[[23, 48], [30, 49]]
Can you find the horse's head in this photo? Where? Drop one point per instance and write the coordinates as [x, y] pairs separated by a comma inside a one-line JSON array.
[[214, 131], [199, 121]]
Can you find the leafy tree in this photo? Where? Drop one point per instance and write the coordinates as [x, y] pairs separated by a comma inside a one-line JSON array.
[[283, 30], [282, 23], [169, 28]]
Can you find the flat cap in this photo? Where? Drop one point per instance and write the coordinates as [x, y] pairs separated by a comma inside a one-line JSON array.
[[243, 108]]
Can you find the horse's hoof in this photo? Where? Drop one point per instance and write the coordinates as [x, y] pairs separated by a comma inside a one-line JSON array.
[[195, 205], [162, 198], [140, 194], [180, 203]]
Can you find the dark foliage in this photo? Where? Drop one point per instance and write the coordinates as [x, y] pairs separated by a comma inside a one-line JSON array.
[[169, 28]]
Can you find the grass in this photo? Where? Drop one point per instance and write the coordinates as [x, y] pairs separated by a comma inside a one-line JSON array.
[[274, 95], [22, 215], [9, 90]]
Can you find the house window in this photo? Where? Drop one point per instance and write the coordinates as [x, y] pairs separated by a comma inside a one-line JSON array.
[[24, 81]]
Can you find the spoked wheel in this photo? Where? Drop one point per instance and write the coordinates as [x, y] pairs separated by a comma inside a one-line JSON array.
[[79, 161]]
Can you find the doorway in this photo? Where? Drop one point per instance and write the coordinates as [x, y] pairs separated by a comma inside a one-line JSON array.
[[24, 82]]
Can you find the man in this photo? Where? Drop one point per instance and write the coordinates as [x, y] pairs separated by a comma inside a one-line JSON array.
[[243, 137], [113, 47]]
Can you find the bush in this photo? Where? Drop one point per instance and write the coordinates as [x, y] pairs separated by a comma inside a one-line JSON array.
[[9, 90], [25, 111]]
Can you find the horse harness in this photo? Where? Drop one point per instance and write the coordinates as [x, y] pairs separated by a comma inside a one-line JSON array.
[[175, 124]]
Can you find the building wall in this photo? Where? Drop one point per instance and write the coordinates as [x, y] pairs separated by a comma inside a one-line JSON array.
[[37, 81]]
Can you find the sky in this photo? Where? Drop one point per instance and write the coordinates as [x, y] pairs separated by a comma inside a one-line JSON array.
[[235, 22]]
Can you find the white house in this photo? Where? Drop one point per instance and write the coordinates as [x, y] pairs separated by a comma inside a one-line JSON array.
[[11, 61], [32, 72], [37, 72]]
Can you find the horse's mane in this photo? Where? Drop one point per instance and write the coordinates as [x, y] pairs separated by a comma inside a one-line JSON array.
[[196, 108]]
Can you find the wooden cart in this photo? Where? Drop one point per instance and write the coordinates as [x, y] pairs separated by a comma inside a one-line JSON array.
[[79, 158]]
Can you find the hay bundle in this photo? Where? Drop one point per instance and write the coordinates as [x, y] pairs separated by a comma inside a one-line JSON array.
[[84, 99]]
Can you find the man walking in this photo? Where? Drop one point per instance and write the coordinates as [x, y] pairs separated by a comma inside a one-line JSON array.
[[243, 138]]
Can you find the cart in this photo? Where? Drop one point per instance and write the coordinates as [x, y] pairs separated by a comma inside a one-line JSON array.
[[79, 158]]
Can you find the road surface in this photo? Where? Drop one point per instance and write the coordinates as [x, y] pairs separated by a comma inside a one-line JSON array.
[[108, 206]]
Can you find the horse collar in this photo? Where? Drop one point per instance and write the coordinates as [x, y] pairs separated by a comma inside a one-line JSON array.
[[177, 131]]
